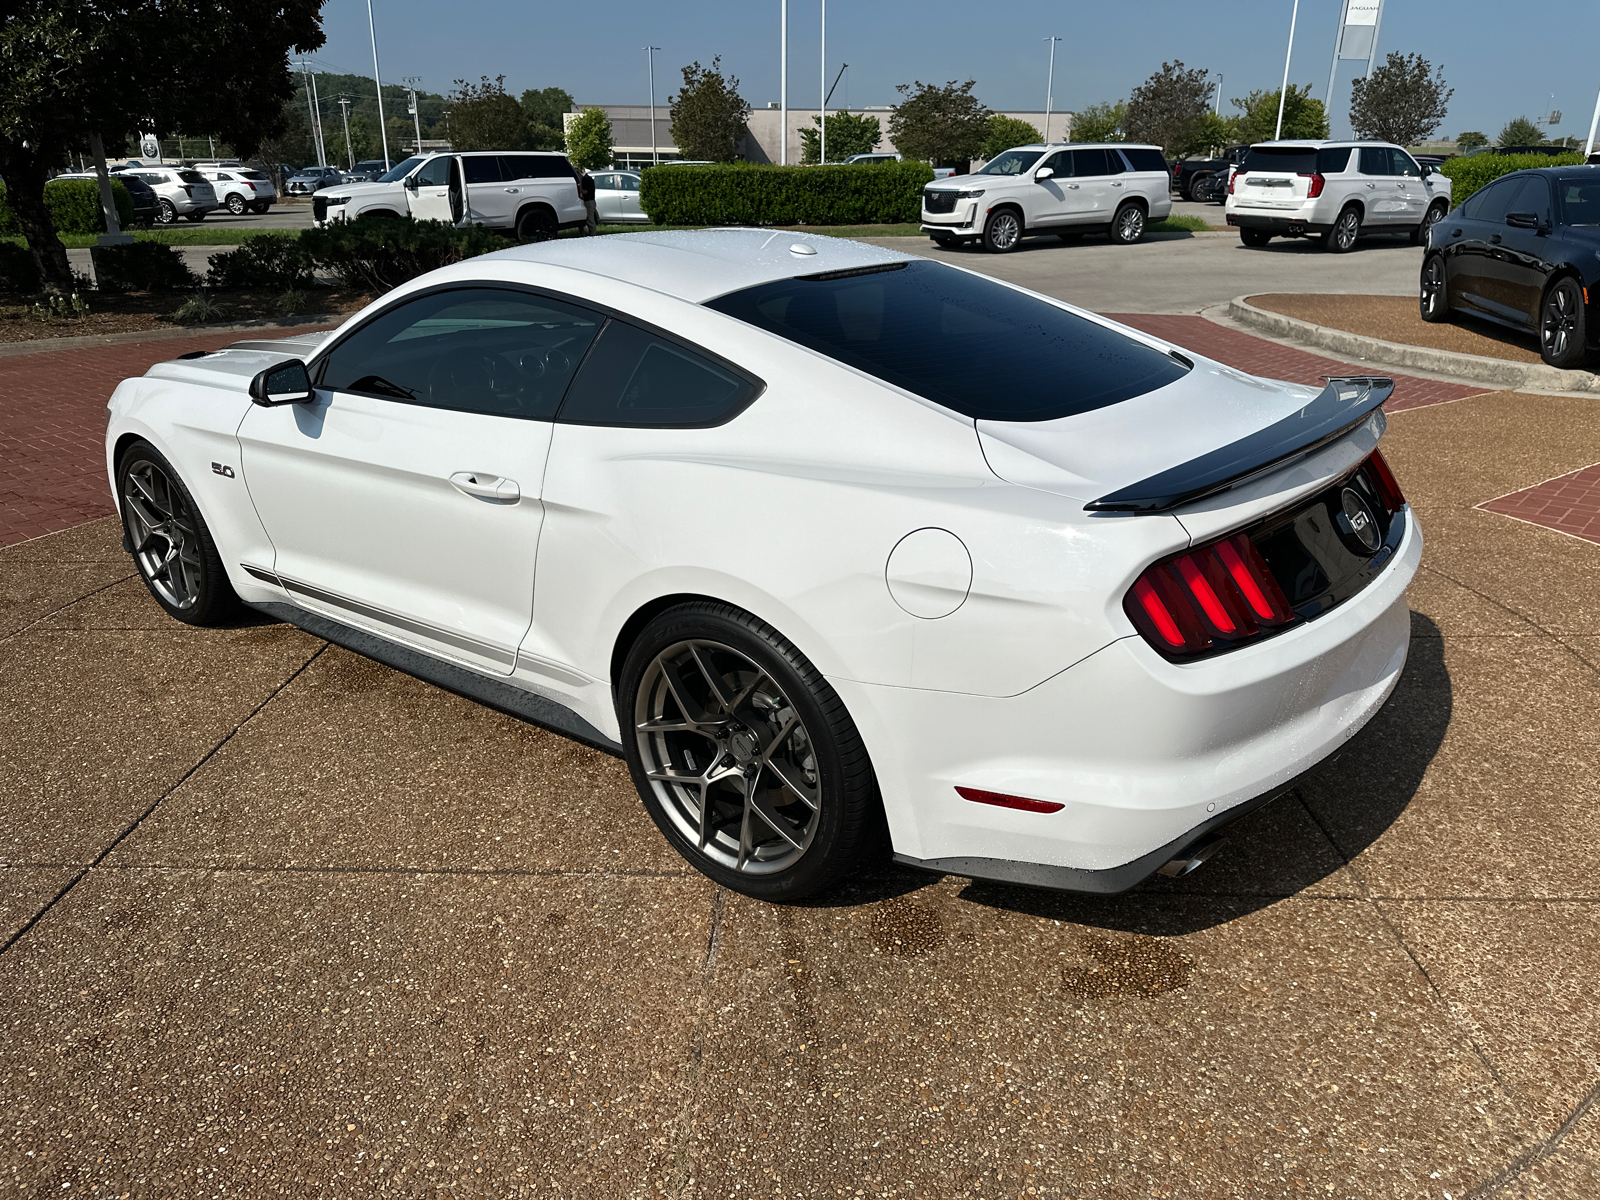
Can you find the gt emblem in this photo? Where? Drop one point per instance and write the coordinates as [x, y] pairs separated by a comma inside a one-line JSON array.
[[1357, 523], [222, 469]]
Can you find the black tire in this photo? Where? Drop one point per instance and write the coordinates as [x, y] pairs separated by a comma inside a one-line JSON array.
[[206, 598], [1342, 234], [236, 205], [948, 241], [840, 826], [1254, 237], [196, 217], [1432, 217], [260, 207], [166, 214], [1191, 191], [1127, 226], [535, 225], [1433, 300], [1002, 232], [1563, 325]]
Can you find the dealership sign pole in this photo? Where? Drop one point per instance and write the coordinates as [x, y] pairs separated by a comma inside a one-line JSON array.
[[1588, 148], [1049, 87], [1357, 37], [1283, 92], [783, 85]]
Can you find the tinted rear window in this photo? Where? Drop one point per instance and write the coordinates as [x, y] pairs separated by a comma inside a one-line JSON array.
[[482, 168], [1145, 160], [1295, 160], [536, 166], [252, 174], [1580, 201], [192, 177], [973, 345]]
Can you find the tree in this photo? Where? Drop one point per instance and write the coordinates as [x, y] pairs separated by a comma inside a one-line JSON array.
[[1303, 117], [1403, 101], [847, 134], [1520, 131], [544, 109], [1167, 107], [485, 117], [708, 115], [1470, 140], [588, 140], [1004, 132], [1210, 135], [944, 125], [75, 69], [1100, 122]]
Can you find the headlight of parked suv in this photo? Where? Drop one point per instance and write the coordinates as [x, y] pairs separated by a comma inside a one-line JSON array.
[[969, 194], [330, 201]]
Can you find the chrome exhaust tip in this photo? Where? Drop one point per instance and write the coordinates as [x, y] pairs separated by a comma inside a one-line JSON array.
[[1191, 858]]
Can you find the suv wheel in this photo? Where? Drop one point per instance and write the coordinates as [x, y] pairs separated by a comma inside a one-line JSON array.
[[1254, 237], [260, 206], [743, 754], [1002, 231], [1434, 300], [535, 225], [167, 214], [1341, 238], [1432, 217], [236, 204], [1563, 331], [1127, 227], [169, 540]]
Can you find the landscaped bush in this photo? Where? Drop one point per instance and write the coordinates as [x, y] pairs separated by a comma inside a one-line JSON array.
[[18, 271], [264, 261], [141, 267], [1467, 175], [8, 219], [379, 255], [744, 194], [74, 205]]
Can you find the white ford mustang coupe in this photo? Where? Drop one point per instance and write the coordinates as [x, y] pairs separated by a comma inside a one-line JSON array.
[[817, 535]]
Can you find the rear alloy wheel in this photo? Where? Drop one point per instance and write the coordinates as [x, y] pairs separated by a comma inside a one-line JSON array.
[[1434, 300], [195, 216], [1435, 214], [1254, 237], [536, 225], [1127, 227], [743, 754], [167, 214], [1003, 231], [1563, 330], [170, 542], [1341, 238], [260, 207], [236, 205]]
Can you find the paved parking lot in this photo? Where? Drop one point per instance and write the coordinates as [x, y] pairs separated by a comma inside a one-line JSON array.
[[276, 920]]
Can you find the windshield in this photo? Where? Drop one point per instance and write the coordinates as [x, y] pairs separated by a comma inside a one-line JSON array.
[[976, 346], [1012, 162], [399, 171]]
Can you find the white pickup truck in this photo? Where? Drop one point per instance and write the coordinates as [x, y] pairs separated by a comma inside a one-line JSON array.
[[529, 194]]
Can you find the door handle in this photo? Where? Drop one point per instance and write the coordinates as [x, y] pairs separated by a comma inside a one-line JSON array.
[[1116, 183], [1073, 186], [513, 191], [485, 486], [1372, 185]]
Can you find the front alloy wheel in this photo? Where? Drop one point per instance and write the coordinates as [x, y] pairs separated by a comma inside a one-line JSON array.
[[1002, 232], [1433, 301], [170, 542], [168, 214], [1563, 332]]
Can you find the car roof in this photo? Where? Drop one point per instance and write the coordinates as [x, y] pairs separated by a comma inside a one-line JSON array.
[[700, 264], [1041, 147]]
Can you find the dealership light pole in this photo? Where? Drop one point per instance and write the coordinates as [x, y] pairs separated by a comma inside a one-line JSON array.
[[416, 118], [344, 111], [1049, 87], [822, 116], [1588, 148], [783, 83], [1283, 92], [650, 60], [377, 79]]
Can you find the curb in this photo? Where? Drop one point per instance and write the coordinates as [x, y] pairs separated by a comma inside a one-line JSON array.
[[1473, 368], [134, 336]]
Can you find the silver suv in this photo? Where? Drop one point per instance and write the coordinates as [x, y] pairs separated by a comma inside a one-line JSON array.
[[1065, 190], [180, 191], [1335, 191]]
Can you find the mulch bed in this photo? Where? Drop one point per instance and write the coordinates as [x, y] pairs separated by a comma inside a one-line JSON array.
[[1396, 319], [154, 310]]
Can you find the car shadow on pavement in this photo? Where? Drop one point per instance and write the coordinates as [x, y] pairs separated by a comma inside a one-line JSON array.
[[1300, 842]]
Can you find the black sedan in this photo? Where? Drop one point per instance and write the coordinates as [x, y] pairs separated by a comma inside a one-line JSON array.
[[1523, 250]]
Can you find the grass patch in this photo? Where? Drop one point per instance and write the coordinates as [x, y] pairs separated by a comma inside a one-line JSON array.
[[173, 237], [1177, 224]]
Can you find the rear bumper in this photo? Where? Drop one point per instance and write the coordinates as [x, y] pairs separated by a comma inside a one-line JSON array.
[[1289, 226]]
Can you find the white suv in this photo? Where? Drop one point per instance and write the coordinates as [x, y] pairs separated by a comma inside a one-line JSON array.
[[1064, 190], [182, 192], [1335, 191], [241, 189], [529, 194]]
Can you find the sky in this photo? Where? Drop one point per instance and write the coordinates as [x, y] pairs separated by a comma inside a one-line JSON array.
[[1503, 60]]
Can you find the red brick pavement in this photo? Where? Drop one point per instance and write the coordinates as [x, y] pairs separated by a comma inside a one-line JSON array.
[[53, 426], [1567, 504], [1261, 357]]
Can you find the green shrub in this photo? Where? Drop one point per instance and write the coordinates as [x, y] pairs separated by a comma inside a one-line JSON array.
[[744, 194], [74, 205], [1467, 175], [379, 255], [264, 261], [141, 267], [8, 219], [18, 271], [199, 309]]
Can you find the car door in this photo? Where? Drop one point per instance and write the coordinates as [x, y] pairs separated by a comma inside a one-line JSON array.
[[1410, 188], [430, 193], [491, 201], [628, 198], [1473, 234], [405, 497], [1524, 260], [1049, 201], [605, 197], [1091, 198], [1380, 189]]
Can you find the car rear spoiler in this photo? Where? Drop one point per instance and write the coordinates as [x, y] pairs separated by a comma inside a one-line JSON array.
[[1345, 403]]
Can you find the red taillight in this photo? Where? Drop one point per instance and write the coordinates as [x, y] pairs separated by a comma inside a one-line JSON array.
[[1317, 184], [1145, 595], [1232, 178], [1220, 593], [188, 191], [1388, 487], [1246, 568], [979, 796]]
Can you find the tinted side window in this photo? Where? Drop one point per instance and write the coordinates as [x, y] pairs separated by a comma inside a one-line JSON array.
[[1490, 204], [1089, 162], [535, 166], [483, 168], [1146, 160], [1333, 160], [635, 377], [1404, 164], [434, 173], [1375, 161], [1532, 197], [485, 350], [1060, 162], [1580, 201]]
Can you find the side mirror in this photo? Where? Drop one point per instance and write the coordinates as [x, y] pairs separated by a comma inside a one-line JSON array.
[[1522, 220], [1042, 174], [411, 183], [287, 383]]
